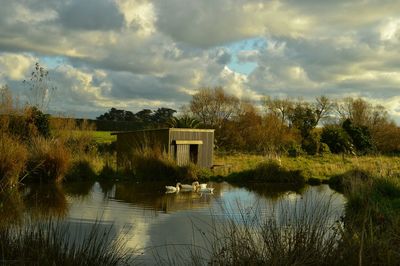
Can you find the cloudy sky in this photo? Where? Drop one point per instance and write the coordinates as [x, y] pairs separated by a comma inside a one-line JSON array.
[[135, 54]]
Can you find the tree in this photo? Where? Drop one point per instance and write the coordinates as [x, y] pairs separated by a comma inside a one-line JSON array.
[[117, 115], [358, 111], [279, 107], [183, 122], [163, 115], [323, 108], [336, 138], [40, 87], [213, 106], [360, 136], [305, 120]]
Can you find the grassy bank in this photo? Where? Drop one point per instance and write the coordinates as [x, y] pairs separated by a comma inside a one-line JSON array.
[[320, 167]]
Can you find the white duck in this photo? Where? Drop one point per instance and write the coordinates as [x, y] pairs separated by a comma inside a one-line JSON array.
[[172, 189], [206, 190], [192, 187]]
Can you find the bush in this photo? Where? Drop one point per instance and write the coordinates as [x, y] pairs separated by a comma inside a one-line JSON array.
[[49, 160], [13, 157], [270, 172], [336, 138], [294, 151]]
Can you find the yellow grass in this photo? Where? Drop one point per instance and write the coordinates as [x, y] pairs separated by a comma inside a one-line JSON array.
[[322, 167]]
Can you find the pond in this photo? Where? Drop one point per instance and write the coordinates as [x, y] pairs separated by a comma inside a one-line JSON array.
[[155, 224]]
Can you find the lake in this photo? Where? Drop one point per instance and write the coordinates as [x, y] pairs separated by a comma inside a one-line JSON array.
[[157, 225]]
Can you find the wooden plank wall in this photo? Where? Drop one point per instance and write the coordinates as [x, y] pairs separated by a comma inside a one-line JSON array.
[[206, 150]]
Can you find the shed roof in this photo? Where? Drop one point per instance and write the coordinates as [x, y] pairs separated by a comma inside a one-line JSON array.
[[163, 129]]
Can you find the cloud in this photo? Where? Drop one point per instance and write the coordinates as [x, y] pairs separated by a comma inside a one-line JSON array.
[[91, 15], [139, 53]]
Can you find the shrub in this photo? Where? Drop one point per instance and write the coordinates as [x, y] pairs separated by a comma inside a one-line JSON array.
[[336, 138], [294, 151], [13, 156], [271, 172], [49, 160]]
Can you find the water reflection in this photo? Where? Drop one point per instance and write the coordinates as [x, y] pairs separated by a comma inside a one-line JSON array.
[[45, 201], [147, 217], [11, 207]]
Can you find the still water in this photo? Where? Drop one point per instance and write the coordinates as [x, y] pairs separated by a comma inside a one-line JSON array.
[[151, 220]]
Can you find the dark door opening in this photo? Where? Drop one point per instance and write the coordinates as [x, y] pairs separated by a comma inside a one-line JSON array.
[[194, 153]]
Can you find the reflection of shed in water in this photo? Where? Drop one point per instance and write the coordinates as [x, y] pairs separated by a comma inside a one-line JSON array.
[[184, 145]]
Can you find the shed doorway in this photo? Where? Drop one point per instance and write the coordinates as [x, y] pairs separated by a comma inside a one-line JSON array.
[[194, 153]]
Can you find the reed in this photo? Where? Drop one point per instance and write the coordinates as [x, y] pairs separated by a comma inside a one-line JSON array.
[[48, 161], [50, 243], [13, 156], [153, 164]]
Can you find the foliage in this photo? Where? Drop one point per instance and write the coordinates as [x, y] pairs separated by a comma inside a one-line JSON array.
[[146, 118], [336, 138], [360, 136], [281, 108], [213, 106], [271, 172], [183, 122], [310, 144]]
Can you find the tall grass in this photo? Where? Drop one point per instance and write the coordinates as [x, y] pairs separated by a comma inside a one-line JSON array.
[[50, 243], [153, 164], [372, 218], [13, 157], [48, 161]]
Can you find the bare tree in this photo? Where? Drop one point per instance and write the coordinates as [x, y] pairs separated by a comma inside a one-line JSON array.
[[213, 106], [279, 107], [323, 108]]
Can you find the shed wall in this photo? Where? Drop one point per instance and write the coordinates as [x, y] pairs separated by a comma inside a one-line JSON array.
[[205, 152], [165, 141]]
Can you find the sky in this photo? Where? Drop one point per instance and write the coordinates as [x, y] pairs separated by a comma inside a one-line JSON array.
[[136, 54]]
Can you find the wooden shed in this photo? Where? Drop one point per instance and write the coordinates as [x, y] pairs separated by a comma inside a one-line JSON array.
[[184, 145]]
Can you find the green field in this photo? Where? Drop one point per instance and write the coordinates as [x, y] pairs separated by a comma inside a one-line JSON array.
[[104, 136]]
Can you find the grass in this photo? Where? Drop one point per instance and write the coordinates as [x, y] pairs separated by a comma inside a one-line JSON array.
[[50, 243], [316, 167], [13, 157], [270, 171], [103, 136], [49, 160], [155, 165]]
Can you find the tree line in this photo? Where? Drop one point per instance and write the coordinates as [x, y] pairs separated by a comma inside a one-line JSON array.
[[349, 125]]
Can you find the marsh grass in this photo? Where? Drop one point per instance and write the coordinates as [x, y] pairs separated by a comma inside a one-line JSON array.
[[48, 161], [13, 157], [51, 243], [372, 227], [153, 164]]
